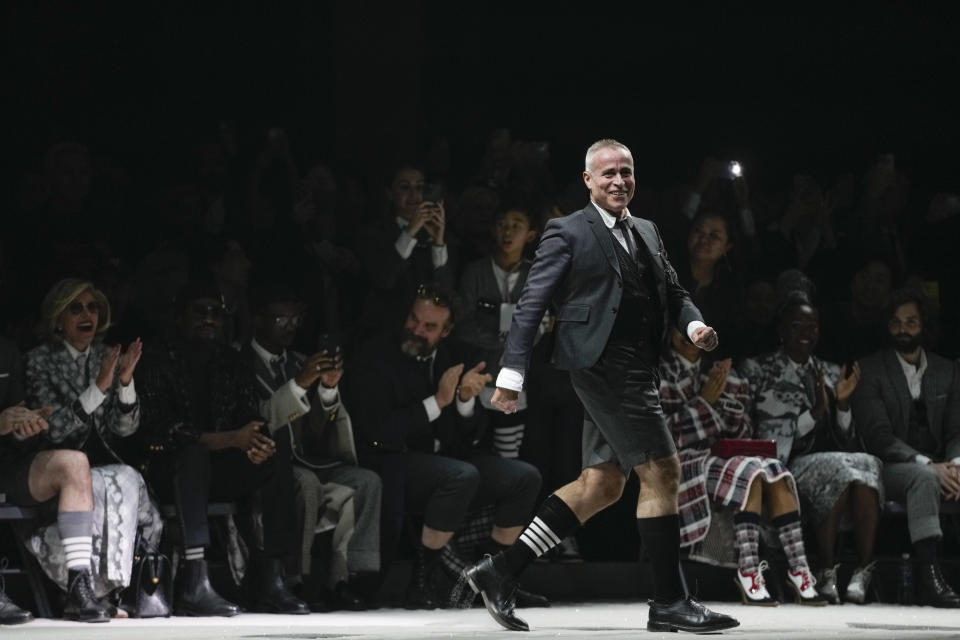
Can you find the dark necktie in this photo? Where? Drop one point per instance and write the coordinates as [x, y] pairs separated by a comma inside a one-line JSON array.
[[426, 368], [627, 236], [279, 375]]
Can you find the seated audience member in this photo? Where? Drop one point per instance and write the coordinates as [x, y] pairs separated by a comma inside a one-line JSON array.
[[29, 478], [208, 443], [908, 408], [489, 290], [803, 403], [414, 402], [95, 405], [300, 398], [709, 272], [405, 247], [854, 327], [703, 406], [226, 262]]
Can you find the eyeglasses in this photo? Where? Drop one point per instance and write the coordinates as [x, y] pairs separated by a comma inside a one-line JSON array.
[[204, 310], [288, 321], [427, 292], [77, 307], [911, 323]]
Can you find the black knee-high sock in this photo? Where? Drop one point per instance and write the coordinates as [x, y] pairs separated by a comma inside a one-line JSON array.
[[553, 522], [661, 538]]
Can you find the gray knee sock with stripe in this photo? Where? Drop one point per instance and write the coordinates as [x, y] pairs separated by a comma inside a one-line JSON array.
[[553, 522], [76, 533]]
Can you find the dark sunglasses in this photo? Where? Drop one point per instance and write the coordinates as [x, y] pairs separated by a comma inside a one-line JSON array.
[[427, 292], [76, 308], [204, 310], [288, 321]]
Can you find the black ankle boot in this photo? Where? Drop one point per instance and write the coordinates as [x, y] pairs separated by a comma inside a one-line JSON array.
[[271, 594], [10, 613], [195, 595], [82, 605], [422, 592], [933, 590]]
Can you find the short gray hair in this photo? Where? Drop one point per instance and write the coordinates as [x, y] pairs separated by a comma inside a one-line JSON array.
[[601, 144]]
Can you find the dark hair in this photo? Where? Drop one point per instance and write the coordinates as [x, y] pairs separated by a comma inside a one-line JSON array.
[[906, 295], [267, 292], [195, 290], [794, 288], [438, 295], [518, 205]]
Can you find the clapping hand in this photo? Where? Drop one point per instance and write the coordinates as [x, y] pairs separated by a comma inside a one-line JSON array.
[[436, 223], [24, 422], [473, 382], [129, 360], [821, 398], [846, 384], [447, 385], [716, 381]]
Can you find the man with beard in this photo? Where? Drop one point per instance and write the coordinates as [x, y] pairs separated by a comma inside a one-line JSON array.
[[907, 406], [414, 407], [208, 443]]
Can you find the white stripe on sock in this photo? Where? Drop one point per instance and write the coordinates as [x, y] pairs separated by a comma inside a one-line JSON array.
[[534, 543], [78, 552], [193, 553], [540, 524]]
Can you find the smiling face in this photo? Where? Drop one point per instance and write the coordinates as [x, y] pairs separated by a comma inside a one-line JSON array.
[[203, 319], [406, 192], [427, 324], [80, 320], [610, 179], [906, 328], [800, 331]]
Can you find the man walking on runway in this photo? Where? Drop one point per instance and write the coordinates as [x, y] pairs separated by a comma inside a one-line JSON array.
[[615, 294]]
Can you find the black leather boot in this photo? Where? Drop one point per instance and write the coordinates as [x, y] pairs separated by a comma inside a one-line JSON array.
[[10, 613], [688, 615], [422, 592], [195, 595], [498, 588], [933, 590], [82, 605], [271, 594]]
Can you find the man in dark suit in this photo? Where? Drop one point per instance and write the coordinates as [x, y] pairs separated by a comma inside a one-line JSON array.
[[907, 407], [207, 443], [616, 294], [417, 420], [300, 398], [30, 477]]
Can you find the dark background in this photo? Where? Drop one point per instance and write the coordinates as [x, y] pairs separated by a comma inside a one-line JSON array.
[[779, 86]]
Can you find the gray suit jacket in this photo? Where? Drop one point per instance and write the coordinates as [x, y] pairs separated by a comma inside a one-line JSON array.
[[881, 407], [576, 268]]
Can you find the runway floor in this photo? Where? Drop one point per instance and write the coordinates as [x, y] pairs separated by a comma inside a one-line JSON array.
[[593, 620]]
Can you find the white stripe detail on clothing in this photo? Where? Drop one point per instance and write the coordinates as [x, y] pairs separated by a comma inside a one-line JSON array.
[[193, 553], [78, 552], [541, 525], [535, 545]]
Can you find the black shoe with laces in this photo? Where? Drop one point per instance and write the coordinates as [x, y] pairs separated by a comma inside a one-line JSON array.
[[686, 614], [82, 605], [498, 588], [933, 590]]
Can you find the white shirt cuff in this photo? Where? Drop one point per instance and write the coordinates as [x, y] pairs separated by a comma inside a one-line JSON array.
[[805, 423], [432, 408], [92, 398], [693, 326], [405, 244], [465, 409], [510, 379], [298, 391], [921, 459], [127, 394], [439, 255], [328, 397], [956, 460], [845, 419]]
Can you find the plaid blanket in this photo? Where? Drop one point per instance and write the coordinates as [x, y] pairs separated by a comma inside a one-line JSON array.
[[695, 425]]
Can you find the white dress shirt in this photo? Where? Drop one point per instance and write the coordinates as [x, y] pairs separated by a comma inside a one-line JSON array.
[[405, 244], [91, 398]]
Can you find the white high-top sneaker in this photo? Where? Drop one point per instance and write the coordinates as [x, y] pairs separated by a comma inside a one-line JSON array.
[[859, 583], [827, 585], [753, 587], [804, 584]]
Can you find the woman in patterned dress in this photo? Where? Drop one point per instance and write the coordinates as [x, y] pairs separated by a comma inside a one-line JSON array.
[[802, 402], [90, 385], [701, 407]]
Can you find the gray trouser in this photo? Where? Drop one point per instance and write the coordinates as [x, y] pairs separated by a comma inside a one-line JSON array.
[[916, 485], [363, 554]]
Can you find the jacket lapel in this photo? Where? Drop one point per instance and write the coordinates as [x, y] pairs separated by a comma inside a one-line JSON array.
[[929, 390], [895, 373], [603, 235]]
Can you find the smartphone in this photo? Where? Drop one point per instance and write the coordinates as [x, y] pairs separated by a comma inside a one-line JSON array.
[[734, 170], [432, 192], [329, 343]]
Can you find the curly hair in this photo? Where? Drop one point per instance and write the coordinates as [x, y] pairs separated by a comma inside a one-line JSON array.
[[60, 296]]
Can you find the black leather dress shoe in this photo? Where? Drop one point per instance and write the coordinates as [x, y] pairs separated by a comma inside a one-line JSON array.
[[10, 613], [689, 615], [195, 595], [933, 590], [272, 595], [498, 588]]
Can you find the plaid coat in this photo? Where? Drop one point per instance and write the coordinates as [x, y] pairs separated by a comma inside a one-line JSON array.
[[696, 425]]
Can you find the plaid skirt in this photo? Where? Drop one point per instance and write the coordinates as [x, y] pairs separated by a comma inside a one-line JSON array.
[[707, 479]]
